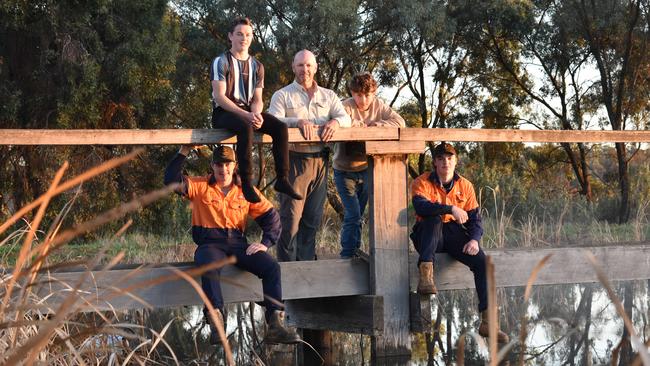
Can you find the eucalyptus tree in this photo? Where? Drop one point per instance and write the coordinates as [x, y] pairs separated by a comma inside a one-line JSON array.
[[97, 64], [617, 34], [537, 53], [441, 68]]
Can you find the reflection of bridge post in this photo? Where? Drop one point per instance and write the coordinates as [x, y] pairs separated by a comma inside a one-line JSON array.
[[389, 271]]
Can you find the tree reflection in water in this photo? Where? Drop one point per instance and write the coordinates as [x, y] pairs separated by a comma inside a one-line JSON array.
[[567, 325]]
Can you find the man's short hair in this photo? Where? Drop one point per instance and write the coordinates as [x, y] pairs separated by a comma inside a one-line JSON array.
[[240, 21], [442, 149], [362, 83]]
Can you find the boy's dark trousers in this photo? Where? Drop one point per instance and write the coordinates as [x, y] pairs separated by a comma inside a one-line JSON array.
[[244, 131], [261, 264], [431, 236]]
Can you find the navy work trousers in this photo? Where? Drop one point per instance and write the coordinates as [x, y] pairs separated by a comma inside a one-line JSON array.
[[431, 236], [260, 264]]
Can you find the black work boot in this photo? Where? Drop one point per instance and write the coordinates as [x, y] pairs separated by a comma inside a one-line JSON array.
[[277, 332], [249, 192], [214, 333], [282, 185]]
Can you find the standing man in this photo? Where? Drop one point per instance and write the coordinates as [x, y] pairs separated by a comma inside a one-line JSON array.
[[219, 213], [309, 107], [350, 160], [237, 80], [448, 220]]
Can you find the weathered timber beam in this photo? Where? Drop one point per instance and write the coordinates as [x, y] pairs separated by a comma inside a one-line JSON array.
[[300, 280], [567, 265], [504, 135], [421, 313], [171, 136], [389, 256], [394, 147], [210, 136], [314, 279], [362, 314]]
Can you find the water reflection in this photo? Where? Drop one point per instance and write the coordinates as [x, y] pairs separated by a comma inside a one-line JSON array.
[[567, 324]]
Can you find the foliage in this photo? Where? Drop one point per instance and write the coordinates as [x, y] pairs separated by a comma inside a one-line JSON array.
[[493, 64]]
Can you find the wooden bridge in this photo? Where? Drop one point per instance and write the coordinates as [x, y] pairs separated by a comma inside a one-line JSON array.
[[369, 296]]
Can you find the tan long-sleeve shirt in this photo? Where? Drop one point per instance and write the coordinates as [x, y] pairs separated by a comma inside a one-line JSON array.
[[351, 156], [292, 103]]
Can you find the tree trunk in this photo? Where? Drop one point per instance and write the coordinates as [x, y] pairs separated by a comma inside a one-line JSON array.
[[626, 354], [623, 183], [450, 348], [586, 355], [580, 169]]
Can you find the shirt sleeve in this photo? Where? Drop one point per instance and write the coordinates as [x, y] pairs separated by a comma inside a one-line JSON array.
[[260, 76], [192, 185], [389, 117], [425, 202], [219, 69], [174, 172], [259, 208], [278, 109], [338, 113], [348, 105], [471, 202], [474, 222], [267, 218]]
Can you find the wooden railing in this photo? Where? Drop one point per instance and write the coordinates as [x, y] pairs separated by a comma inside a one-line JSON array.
[[353, 295], [205, 136]]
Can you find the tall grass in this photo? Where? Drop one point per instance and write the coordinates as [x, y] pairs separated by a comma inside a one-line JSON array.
[[31, 332]]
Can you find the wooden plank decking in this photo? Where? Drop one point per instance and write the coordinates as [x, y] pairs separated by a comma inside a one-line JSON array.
[[333, 278]]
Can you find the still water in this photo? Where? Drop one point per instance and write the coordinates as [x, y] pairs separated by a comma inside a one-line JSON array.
[[567, 324]]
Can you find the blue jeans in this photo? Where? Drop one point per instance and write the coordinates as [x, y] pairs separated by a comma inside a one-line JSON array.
[[353, 190]]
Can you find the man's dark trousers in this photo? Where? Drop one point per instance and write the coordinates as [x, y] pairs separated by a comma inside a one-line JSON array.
[[432, 236], [260, 264]]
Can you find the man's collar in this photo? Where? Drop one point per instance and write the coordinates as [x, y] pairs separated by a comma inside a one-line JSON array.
[[300, 87], [229, 52], [433, 177]]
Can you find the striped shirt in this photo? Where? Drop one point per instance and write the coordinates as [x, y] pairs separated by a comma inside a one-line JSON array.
[[242, 77]]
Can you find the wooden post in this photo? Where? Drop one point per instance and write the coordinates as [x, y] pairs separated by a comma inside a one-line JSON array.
[[389, 256]]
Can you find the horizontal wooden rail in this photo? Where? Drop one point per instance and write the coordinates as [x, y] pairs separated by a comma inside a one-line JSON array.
[[332, 278], [172, 136], [404, 135], [503, 135]]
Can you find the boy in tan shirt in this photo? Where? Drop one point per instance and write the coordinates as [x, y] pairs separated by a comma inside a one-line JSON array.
[[350, 161]]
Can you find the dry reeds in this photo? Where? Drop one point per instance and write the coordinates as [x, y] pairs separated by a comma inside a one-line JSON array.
[[31, 331]]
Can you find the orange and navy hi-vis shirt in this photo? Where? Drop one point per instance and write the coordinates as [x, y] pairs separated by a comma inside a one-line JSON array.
[[219, 218], [430, 198]]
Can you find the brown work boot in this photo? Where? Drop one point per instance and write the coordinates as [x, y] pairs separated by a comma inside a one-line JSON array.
[[214, 334], [426, 283], [277, 332], [484, 329]]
